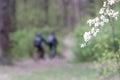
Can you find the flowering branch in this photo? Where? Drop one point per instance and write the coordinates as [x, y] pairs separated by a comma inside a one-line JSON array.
[[105, 14]]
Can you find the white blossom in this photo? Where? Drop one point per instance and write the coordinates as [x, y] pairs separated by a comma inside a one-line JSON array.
[[104, 13], [94, 31], [106, 20], [105, 4], [90, 22], [101, 10], [116, 18], [96, 19], [101, 23], [87, 36], [110, 12], [115, 15], [111, 2], [102, 17], [83, 45], [96, 24]]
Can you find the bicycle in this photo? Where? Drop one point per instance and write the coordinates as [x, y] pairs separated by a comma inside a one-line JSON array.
[[52, 53]]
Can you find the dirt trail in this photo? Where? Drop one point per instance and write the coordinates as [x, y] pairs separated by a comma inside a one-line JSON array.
[[29, 66], [67, 52]]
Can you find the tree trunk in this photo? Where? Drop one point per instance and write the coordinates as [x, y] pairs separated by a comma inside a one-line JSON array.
[[12, 9], [72, 11], [46, 11], [78, 9], [25, 1], [65, 12], [5, 24]]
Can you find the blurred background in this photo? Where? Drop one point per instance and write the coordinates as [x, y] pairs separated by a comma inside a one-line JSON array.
[[21, 20]]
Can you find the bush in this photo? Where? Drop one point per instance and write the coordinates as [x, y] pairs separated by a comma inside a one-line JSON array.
[[97, 46], [22, 41]]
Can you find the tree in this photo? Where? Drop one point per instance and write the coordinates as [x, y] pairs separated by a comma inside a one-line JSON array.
[[12, 9], [46, 11], [72, 11], [5, 24], [65, 12]]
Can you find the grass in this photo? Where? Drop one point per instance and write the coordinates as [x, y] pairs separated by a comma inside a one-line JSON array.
[[59, 74]]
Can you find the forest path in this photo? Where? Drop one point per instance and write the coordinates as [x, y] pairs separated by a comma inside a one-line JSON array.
[[28, 66]]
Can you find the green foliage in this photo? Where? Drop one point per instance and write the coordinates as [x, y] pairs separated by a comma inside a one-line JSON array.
[[22, 42], [98, 45], [30, 20], [59, 74], [109, 63], [32, 13], [103, 48]]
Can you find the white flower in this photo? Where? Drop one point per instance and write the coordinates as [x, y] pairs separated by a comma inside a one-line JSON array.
[[96, 24], [89, 22], [101, 10], [83, 45], [101, 23], [104, 12], [102, 17], [115, 15], [111, 2], [106, 20], [96, 19], [111, 12], [94, 31], [87, 36], [116, 18], [105, 4]]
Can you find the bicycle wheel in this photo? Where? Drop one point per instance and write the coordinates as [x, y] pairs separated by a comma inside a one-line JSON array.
[[52, 53]]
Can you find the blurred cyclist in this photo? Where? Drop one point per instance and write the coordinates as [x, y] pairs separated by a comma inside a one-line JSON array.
[[38, 43], [52, 43]]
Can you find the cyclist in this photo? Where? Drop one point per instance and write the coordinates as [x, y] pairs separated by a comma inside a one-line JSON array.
[[52, 43], [38, 43]]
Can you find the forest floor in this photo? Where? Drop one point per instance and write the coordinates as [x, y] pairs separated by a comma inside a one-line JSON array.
[[49, 69], [29, 66]]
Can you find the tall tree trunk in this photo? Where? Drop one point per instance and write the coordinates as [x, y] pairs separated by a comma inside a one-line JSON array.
[[5, 24], [12, 9], [75, 7], [46, 11], [72, 11], [65, 12], [25, 1], [78, 9]]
